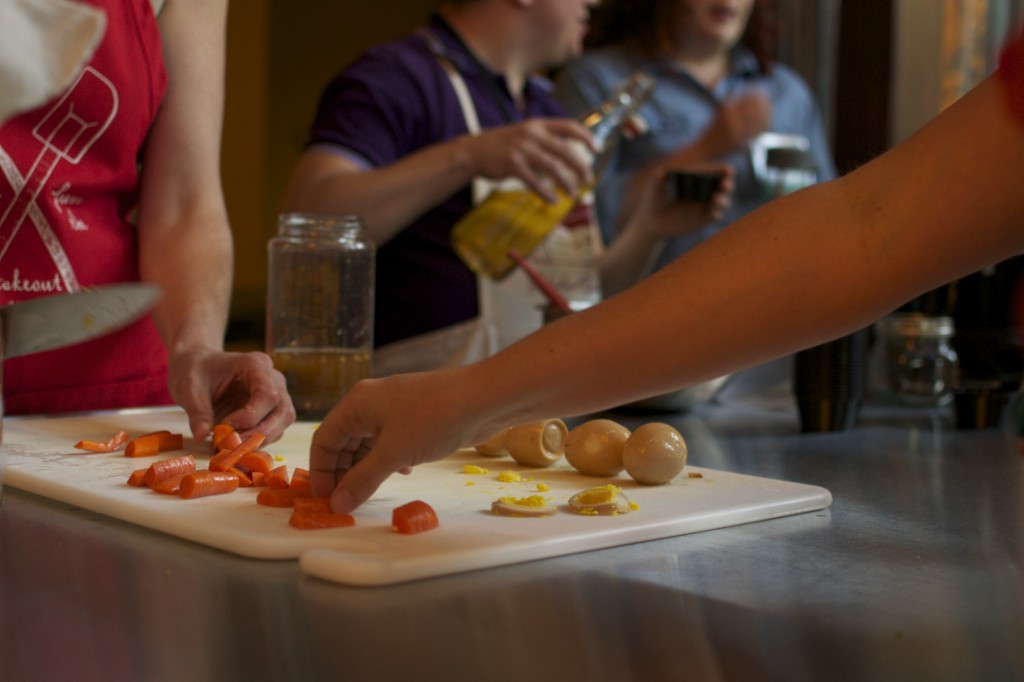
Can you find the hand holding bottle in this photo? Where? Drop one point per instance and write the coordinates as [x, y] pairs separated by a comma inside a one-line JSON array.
[[542, 152], [517, 218]]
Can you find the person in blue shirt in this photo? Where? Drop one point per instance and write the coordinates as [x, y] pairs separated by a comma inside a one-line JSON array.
[[719, 95]]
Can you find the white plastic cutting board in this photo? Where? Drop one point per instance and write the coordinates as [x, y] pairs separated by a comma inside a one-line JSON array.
[[41, 459]]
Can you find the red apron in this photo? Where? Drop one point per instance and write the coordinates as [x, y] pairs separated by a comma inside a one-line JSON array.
[[68, 185]]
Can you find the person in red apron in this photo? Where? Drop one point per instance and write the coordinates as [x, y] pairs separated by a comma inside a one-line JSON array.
[[942, 204], [116, 179]]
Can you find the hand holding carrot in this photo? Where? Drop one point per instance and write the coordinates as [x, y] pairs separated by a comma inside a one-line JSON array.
[[242, 389]]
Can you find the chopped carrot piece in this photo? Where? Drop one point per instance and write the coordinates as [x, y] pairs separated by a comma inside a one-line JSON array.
[[170, 486], [243, 478], [280, 497], [153, 443], [257, 460], [257, 478], [277, 477], [231, 441], [311, 520], [225, 459], [312, 504], [300, 479], [169, 468], [204, 483], [413, 517], [114, 443], [225, 438], [143, 446], [137, 477]]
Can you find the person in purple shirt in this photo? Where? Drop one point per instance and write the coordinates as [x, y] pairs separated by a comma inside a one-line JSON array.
[[391, 143]]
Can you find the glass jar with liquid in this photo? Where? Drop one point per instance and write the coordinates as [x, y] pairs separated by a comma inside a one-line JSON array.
[[320, 297]]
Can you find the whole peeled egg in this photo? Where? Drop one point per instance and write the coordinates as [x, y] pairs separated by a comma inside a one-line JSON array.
[[495, 446], [654, 453], [594, 448], [537, 444]]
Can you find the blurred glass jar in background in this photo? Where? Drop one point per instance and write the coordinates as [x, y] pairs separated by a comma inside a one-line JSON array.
[[320, 291], [913, 361]]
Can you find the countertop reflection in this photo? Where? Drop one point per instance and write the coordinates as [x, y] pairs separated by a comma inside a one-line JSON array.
[[914, 572]]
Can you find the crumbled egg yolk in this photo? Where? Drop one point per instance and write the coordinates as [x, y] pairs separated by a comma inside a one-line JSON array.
[[634, 506], [470, 482], [278, 458], [509, 476], [543, 487], [599, 495], [473, 469], [530, 501]]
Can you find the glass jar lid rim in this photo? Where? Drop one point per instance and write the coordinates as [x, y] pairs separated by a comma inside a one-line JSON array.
[[917, 324]]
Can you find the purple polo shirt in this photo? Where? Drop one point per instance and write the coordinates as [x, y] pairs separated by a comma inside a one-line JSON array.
[[392, 101]]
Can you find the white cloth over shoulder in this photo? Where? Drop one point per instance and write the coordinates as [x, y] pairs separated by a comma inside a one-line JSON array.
[[43, 46]]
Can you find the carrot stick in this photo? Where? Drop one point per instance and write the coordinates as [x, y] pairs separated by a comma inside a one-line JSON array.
[[203, 483], [114, 443], [153, 443], [311, 520], [143, 446], [225, 459], [277, 477], [169, 468], [170, 486], [137, 477]]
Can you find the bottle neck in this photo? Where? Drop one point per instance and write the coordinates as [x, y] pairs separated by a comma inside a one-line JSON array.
[[605, 121]]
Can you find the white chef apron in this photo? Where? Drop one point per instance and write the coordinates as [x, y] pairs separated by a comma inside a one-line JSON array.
[[508, 309]]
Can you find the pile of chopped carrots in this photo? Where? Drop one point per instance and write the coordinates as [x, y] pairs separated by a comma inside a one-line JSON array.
[[239, 463]]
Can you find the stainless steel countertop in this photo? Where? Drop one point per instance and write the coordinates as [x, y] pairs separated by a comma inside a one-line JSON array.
[[915, 572]]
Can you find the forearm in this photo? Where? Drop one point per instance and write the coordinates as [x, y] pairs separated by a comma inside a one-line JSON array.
[[387, 199], [191, 260], [806, 268], [184, 239]]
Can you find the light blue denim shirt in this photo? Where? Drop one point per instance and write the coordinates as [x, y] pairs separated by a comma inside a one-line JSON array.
[[677, 112]]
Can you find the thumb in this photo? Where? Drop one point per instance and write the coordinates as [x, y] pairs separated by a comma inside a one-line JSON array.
[[201, 424], [196, 403]]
